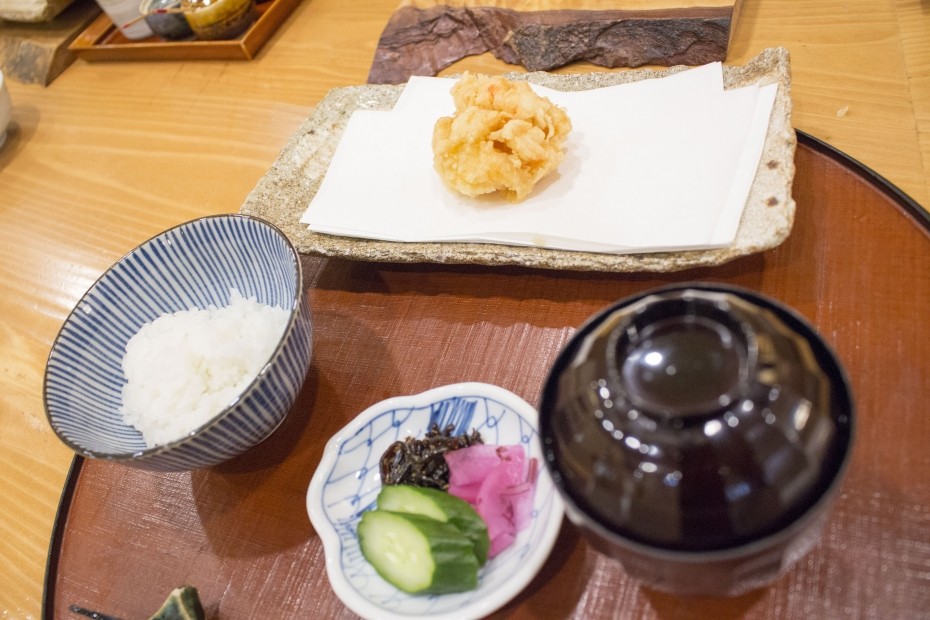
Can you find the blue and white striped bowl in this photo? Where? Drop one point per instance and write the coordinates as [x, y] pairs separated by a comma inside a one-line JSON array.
[[192, 265]]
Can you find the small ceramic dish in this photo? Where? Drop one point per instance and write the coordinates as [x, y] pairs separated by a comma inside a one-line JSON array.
[[213, 20], [347, 482], [164, 21]]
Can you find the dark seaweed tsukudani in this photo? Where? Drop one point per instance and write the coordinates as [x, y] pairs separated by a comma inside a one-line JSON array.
[[420, 462]]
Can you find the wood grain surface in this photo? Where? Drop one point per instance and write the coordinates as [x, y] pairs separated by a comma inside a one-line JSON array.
[[112, 153], [240, 533]]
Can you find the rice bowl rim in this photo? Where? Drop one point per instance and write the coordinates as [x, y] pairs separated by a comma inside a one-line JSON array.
[[293, 313]]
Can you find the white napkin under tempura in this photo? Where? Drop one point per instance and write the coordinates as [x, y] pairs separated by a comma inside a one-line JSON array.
[[656, 165]]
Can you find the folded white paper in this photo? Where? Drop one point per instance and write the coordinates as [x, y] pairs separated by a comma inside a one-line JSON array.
[[656, 165]]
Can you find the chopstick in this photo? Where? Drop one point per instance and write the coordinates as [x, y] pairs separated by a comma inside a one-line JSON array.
[[95, 615]]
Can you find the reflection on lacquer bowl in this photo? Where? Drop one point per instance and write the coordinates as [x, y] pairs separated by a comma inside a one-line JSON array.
[[192, 266], [347, 481], [698, 434]]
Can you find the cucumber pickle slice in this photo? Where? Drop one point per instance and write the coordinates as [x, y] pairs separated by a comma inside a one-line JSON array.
[[441, 506], [417, 554]]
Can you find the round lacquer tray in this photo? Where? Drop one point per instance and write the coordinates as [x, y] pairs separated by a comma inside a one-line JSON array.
[[856, 264]]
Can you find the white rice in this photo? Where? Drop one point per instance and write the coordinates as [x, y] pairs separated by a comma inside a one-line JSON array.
[[184, 368]]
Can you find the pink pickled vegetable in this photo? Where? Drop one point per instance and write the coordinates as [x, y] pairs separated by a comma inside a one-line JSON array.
[[499, 483], [468, 467]]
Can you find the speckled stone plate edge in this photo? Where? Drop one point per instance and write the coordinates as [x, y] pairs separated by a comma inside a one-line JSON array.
[[283, 193]]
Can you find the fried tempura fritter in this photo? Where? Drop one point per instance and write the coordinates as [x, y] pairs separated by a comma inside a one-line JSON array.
[[502, 137]]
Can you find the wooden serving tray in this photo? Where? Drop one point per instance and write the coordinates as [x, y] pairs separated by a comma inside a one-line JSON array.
[[856, 265], [102, 40]]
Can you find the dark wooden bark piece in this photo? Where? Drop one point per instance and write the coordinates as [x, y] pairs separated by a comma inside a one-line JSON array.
[[424, 41]]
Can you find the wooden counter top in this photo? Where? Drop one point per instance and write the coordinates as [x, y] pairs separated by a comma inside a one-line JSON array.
[[112, 153]]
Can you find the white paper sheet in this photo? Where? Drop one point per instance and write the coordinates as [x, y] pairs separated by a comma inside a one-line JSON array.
[[663, 164]]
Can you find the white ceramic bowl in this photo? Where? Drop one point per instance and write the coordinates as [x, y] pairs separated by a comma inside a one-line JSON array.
[[347, 482]]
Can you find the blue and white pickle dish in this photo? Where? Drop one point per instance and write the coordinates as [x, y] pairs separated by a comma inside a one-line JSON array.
[[193, 265], [347, 481]]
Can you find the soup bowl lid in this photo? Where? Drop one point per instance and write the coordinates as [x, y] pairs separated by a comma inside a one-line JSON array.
[[695, 418]]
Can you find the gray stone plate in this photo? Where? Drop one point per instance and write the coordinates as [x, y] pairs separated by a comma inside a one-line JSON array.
[[284, 193]]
